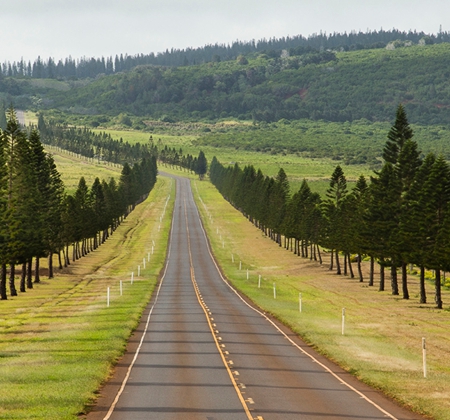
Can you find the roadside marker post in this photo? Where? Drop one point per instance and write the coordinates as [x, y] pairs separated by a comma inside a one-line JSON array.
[[121, 288], [274, 291], [259, 282], [139, 270], [240, 265], [424, 357], [143, 262], [247, 273], [343, 321], [148, 256], [153, 246], [132, 277]]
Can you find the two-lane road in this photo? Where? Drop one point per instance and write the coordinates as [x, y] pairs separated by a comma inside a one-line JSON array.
[[206, 354]]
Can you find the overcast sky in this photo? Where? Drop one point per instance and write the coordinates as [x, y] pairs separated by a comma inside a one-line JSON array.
[[95, 28]]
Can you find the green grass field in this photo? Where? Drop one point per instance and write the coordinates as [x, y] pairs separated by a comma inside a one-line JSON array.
[[297, 168]]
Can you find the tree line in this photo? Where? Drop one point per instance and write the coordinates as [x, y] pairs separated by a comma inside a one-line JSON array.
[[173, 157], [39, 219], [84, 141], [91, 67], [400, 218]]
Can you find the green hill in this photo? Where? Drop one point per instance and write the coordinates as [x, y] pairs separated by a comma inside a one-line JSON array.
[[342, 86]]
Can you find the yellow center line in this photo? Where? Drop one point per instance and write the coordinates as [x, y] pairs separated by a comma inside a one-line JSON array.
[[208, 319]]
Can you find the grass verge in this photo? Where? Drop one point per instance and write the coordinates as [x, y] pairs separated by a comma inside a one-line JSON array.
[[59, 341], [383, 333]]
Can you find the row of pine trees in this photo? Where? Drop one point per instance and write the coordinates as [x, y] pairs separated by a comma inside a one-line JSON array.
[[398, 219], [39, 219], [91, 144]]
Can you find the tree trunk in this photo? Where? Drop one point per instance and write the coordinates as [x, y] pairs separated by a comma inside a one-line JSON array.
[[345, 263], [331, 259], [319, 254], [66, 256], [30, 273], [50, 265], [372, 270], [360, 274], [381, 288], [437, 286], [37, 278], [394, 280], [60, 266], [423, 293], [3, 295], [12, 276], [405, 281], [338, 264], [350, 268], [23, 278]]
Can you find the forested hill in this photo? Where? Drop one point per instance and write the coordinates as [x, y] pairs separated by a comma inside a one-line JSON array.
[[91, 67], [300, 83], [342, 86]]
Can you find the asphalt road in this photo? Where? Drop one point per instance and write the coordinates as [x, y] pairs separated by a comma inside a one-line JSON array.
[[201, 352]]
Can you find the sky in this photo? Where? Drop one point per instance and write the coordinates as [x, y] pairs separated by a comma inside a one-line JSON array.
[[103, 28]]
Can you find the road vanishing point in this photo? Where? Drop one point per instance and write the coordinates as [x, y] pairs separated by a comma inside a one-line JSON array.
[[203, 352]]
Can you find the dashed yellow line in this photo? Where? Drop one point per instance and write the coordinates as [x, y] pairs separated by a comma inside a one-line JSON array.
[[215, 337]]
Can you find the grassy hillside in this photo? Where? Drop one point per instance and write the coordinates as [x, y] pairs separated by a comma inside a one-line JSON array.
[[342, 86]]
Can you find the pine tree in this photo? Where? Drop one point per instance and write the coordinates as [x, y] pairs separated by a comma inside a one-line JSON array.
[[333, 215], [399, 133], [202, 165]]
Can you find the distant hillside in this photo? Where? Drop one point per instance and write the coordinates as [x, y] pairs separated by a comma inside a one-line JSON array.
[[344, 86], [91, 67]]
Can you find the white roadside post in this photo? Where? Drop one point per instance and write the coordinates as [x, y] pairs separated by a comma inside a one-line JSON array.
[[274, 291], [424, 357], [139, 270], [259, 282], [143, 262], [121, 288], [247, 273], [343, 321], [132, 277], [240, 265], [148, 256]]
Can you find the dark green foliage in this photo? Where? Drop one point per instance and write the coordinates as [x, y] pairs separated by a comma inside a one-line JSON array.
[[202, 165]]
